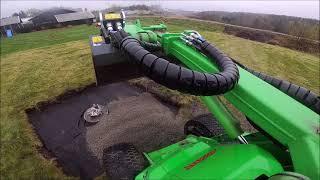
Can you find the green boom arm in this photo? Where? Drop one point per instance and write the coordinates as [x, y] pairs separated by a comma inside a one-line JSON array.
[[285, 119]]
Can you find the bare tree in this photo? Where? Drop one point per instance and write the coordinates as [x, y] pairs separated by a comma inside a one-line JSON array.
[[33, 12], [22, 14], [15, 14]]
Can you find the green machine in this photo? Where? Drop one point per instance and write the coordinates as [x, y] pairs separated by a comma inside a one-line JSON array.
[[286, 116]]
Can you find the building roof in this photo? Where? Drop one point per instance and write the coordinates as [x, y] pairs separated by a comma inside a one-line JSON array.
[[77, 9], [74, 16], [10, 20], [49, 13]]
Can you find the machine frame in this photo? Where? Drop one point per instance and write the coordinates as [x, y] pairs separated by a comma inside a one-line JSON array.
[[290, 123]]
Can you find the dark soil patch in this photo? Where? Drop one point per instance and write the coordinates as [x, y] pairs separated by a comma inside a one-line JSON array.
[[134, 117], [291, 42]]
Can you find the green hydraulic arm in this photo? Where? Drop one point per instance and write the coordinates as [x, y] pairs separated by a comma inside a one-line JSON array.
[[145, 33], [288, 121], [277, 115], [291, 123]]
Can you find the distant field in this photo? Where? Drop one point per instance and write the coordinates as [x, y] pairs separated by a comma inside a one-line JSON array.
[[297, 67], [41, 65], [259, 35], [179, 25], [46, 38]]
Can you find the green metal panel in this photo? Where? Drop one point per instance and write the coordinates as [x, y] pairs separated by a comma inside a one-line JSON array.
[[203, 158], [144, 33], [284, 118]]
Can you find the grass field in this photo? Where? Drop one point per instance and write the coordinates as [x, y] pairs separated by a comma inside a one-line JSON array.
[[46, 38], [41, 65]]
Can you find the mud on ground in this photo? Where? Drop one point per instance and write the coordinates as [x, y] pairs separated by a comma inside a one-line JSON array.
[[140, 112], [134, 116]]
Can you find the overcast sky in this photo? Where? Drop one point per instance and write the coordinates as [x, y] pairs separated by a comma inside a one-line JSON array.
[[307, 9]]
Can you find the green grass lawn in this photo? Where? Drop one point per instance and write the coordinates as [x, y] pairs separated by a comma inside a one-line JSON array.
[[41, 65], [28, 77], [48, 37]]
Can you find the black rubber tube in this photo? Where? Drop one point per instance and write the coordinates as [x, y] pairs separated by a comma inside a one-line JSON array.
[[193, 82], [301, 94], [180, 78], [151, 46]]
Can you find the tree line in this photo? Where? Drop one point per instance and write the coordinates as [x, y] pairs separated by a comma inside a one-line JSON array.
[[28, 13], [296, 26]]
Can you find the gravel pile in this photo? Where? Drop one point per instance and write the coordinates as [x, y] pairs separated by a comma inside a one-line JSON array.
[[141, 120]]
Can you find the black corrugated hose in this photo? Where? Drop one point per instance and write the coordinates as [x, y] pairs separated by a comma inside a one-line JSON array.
[[301, 94], [177, 77], [151, 46]]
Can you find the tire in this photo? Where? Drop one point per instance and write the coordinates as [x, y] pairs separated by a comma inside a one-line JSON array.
[[289, 176], [203, 125], [123, 161]]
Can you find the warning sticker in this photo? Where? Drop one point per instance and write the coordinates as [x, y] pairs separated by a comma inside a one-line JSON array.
[[196, 162], [97, 39], [110, 16]]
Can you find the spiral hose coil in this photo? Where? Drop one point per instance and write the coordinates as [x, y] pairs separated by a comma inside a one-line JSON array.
[[177, 77]]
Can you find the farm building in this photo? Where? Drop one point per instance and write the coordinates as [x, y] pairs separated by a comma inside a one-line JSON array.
[[75, 18], [10, 23], [47, 18], [60, 17]]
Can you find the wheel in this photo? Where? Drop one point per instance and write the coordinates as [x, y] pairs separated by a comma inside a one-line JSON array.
[[203, 125], [288, 176], [123, 161]]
